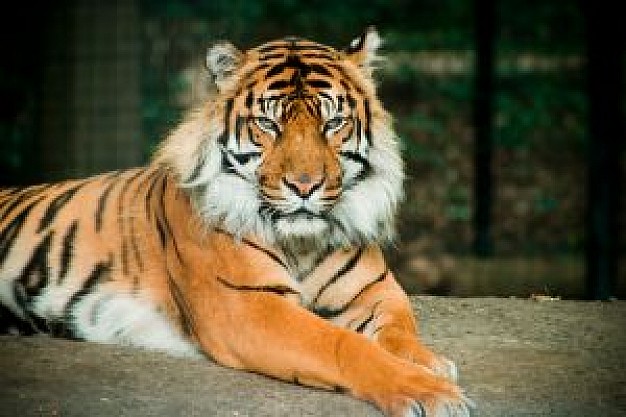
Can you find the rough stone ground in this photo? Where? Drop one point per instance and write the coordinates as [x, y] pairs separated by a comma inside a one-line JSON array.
[[516, 357]]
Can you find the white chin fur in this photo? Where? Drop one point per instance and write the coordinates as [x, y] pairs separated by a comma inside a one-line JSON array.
[[300, 227]]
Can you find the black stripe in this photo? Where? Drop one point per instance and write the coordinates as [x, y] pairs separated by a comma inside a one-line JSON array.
[[293, 44], [167, 228], [301, 68], [12, 231], [56, 205], [161, 231], [318, 83], [186, 318], [328, 313], [361, 327], [124, 256], [197, 170], [8, 191], [177, 250], [244, 158], [67, 250], [227, 113], [331, 198], [136, 285], [249, 100], [123, 219], [120, 198], [364, 324], [351, 101], [36, 273], [358, 158], [277, 85], [148, 198], [252, 139], [313, 108], [314, 47], [267, 57], [100, 272], [229, 167], [269, 253], [368, 122], [345, 80], [349, 134], [359, 132], [135, 245], [11, 201], [320, 69], [142, 184], [163, 218], [17, 200], [340, 100], [239, 122], [346, 268], [326, 96], [318, 56], [272, 47], [9, 321], [36, 324], [97, 306], [273, 289], [102, 201]]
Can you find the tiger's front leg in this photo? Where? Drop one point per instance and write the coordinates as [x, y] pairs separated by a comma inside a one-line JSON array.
[[259, 329], [362, 295], [384, 314]]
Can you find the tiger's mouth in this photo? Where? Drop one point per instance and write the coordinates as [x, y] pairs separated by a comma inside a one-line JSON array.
[[301, 213], [302, 220], [290, 207]]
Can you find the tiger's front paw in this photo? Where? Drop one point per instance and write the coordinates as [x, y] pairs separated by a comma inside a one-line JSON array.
[[409, 348], [443, 409], [444, 367], [420, 394]]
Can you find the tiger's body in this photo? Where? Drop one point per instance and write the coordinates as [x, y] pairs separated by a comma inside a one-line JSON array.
[[252, 238]]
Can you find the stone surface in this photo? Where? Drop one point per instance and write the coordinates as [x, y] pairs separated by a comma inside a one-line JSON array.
[[516, 358]]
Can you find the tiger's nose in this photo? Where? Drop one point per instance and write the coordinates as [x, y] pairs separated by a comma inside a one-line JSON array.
[[303, 184]]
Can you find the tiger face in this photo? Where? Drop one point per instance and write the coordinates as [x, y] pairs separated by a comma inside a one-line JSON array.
[[295, 146]]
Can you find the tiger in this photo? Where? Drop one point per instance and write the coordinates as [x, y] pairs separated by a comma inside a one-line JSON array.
[[253, 238]]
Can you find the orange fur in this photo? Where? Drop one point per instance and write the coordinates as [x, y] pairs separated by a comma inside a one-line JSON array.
[[320, 314]]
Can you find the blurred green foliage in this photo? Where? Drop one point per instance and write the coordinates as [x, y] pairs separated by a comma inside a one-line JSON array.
[[534, 108], [408, 23], [525, 103], [539, 117]]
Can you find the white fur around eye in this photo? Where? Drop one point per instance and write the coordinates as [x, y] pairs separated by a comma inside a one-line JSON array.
[[333, 125], [267, 125]]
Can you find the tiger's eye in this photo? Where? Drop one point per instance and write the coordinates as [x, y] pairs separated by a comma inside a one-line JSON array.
[[334, 124], [266, 124]]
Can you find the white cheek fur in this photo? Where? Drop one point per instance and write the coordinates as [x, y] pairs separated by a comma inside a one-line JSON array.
[[364, 213]]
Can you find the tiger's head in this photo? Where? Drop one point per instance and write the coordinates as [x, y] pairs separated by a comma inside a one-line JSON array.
[[294, 147]]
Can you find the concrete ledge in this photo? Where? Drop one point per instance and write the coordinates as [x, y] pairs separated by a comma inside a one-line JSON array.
[[516, 357]]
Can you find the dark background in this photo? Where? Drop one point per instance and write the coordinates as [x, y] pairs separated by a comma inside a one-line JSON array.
[[510, 114]]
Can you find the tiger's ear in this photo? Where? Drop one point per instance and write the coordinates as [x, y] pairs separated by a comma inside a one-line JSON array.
[[222, 60], [363, 51]]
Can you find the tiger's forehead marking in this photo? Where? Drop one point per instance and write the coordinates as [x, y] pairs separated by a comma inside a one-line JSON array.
[[295, 68], [292, 45]]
